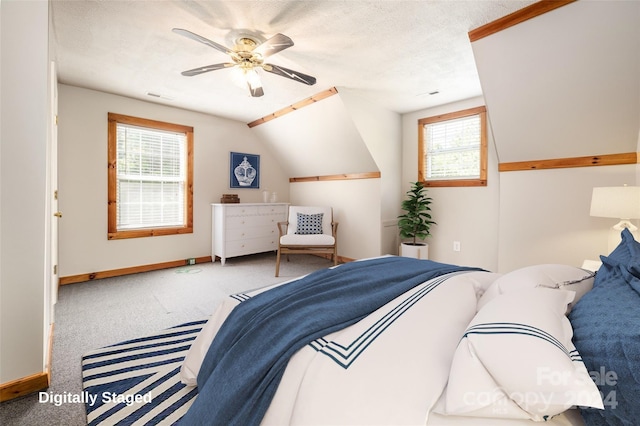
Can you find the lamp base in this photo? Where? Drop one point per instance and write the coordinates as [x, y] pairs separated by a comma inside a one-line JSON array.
[[614, 233]]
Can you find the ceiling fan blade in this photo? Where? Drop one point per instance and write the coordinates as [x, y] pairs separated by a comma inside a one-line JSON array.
[[203, 40], [201, 70], [275, 44], [293, 75]]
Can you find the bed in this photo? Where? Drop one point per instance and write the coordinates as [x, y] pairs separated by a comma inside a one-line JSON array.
[[394, 340]]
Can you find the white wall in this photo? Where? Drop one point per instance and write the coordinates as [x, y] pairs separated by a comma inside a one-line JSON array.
[[555, 88], [356, 206], [469, 215], [381, 131], [319, 139], [544, 215], [84, 247], [521, 218], [343, 134], [23, 181], [566, 83]]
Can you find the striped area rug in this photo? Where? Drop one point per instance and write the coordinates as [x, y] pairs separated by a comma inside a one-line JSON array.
[[137, 382]]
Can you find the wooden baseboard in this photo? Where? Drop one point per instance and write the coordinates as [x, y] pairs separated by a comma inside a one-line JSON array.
[[341, 259], [72, 279], [34, 383], [24, 386]]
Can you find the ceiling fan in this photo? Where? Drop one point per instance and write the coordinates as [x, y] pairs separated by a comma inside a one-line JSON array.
[[248, 55]]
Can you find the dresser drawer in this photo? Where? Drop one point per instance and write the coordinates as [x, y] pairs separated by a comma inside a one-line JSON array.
[[280, 210], [249, 232], [241, 210], [251, 245], [240, 222]]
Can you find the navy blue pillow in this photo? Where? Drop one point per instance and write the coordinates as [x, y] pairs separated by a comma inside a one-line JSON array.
[[627, 258], [606, 333], [309, 223]]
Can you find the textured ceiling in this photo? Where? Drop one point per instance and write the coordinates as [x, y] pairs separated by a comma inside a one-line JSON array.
[[392, 52]]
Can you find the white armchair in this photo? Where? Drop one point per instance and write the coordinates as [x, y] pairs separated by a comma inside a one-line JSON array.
[[308, 230]]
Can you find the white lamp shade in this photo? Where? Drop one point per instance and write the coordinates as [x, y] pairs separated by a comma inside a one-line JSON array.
[[621, 202]]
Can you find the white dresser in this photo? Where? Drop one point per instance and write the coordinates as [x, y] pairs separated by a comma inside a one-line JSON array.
[[240, 229]]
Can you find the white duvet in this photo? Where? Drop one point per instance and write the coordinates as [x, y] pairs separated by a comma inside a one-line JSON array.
[[391, 368]]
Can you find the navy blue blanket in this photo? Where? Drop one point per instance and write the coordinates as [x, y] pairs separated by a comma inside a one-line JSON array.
[[246, 360], [606, 324]]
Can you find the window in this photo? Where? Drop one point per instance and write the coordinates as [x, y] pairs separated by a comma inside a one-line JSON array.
[[452, 149], [150, 174]]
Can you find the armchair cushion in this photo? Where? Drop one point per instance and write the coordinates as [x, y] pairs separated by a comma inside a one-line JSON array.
[[309, 223], [307, 240]]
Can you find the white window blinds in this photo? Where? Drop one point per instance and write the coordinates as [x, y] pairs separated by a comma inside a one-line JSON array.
[[452, 148], [151, 177]]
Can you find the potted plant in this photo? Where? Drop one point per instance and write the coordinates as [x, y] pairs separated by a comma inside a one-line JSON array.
[[416, 223]]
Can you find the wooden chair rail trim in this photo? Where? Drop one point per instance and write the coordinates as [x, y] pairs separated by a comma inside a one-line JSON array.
[[293, 107], [346, 176], [72, 279], [524, 14], [562, 163]]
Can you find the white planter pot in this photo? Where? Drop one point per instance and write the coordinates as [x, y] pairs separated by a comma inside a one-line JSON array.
[[420, 251]]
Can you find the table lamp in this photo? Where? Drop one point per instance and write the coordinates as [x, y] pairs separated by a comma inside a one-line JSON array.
[[619, 202]]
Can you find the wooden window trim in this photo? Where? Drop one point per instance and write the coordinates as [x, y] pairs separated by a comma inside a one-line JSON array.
[[482, 180], [113, 233]]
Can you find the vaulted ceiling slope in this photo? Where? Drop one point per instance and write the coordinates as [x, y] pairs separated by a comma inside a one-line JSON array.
[[318, 140], [565, 83], [393, 52]]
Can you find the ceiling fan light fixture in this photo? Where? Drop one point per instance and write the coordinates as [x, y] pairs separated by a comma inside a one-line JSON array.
[[253, 82], [252, 78], [247, 56]]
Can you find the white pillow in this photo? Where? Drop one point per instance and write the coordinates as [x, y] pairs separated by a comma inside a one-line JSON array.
[[563, 277], [480, 280], [516, 360]]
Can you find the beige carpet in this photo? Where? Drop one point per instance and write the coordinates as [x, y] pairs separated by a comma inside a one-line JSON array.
[[95, 314]]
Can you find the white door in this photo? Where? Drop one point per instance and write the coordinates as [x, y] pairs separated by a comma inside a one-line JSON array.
[[53, 196]]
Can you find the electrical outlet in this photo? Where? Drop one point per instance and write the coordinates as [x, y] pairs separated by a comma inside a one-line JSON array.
[[456, 246], [191, 261]]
